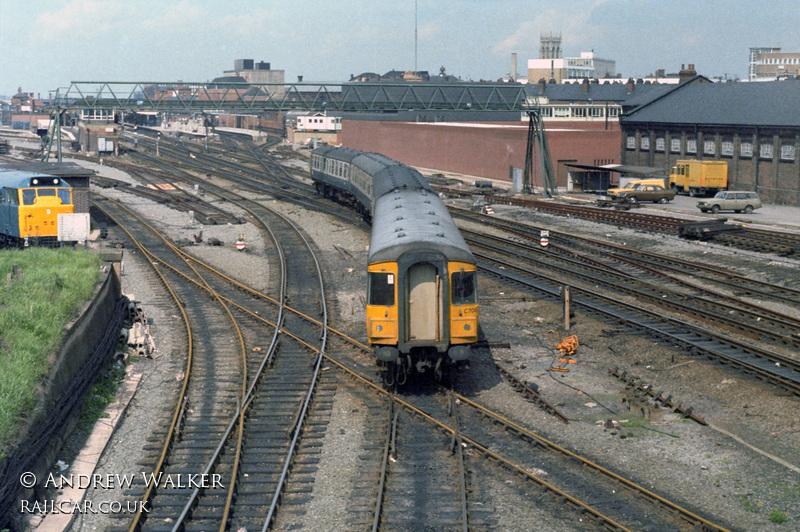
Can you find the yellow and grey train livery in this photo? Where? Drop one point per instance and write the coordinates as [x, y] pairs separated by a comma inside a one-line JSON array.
[[30, 203], [422, 297]]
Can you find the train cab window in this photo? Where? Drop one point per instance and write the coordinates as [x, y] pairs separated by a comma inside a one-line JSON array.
[[46, 192], [10, 196], [464, 289], [64, 196], [381, 289], [28, 196]]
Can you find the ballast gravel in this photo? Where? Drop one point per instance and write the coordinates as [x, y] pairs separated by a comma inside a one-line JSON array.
[[741, 471]]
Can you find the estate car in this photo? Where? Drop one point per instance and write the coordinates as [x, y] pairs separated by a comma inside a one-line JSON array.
[[727, 200]]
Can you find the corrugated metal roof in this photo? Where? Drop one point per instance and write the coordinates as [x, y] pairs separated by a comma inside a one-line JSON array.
[[774, 104]]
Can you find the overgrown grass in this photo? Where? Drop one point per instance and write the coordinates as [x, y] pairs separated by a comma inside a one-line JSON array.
[[33, 313]]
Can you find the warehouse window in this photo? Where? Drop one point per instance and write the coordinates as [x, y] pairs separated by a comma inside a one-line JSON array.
[[660, 143], [727, 148], [381, 289], [691, 145], [710, 147], [765, 151], [464, 289], [746, 149], [787, 152], [675, 146], [645, 143], [631, 145]]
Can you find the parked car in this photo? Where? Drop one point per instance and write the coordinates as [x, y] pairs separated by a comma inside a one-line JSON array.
[[614, 192], [727, 200], [654, 193]]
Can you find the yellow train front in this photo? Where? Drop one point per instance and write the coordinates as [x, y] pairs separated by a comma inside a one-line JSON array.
[[29, 207], [422, 301]]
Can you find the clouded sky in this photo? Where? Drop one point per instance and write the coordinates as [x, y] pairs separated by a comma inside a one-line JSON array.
[[46, 44]]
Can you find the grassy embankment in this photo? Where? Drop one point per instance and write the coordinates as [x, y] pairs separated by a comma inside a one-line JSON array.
[[33, 313]]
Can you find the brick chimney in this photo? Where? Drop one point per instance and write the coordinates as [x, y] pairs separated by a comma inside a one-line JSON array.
[[542, 86], [686, 74], [629, 86], [585, 85]]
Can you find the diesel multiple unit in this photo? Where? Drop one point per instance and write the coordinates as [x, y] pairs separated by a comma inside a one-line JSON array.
[[29, 207], [422, 299]]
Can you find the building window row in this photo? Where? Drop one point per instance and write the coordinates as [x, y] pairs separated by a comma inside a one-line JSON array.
[[580, 111], [781, 61], [726, 147]]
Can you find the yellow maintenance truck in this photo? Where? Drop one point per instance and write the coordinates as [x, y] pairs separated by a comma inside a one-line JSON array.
[[698, 178]]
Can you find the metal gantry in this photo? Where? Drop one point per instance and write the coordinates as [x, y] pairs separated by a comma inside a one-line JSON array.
[[259, 97], [352, 97]]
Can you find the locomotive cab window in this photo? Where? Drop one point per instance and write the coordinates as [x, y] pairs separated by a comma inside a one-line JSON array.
[[64, 196], [46, 192], [10, 196], [381, 289], [28, 196], [464, 288]]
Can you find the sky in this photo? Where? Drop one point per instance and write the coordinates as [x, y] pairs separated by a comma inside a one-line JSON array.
[[47, 44]]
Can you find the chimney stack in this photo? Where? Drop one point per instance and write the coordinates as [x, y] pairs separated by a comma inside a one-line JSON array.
[[514, 66], [686, 73], [630, 85]]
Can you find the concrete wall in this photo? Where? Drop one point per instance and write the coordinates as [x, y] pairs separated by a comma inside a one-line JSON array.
[[485, 150], [88, 344]]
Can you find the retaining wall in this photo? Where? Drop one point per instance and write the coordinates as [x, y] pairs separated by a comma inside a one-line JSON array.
[[88, 345]]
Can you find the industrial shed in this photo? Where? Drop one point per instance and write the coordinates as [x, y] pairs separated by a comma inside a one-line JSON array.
[[754, 127]]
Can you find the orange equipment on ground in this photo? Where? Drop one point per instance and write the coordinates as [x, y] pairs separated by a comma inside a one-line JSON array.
[[566, 346]]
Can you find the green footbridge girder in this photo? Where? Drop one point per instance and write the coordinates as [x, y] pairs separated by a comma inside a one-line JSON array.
[[354, 97]]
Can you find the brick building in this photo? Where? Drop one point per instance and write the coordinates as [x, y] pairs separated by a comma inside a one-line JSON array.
[[754, 127], [483, 149]]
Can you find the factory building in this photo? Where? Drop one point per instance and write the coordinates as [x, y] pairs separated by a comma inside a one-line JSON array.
[[552, 66], [754, 127], [771, 64], [256, 73]]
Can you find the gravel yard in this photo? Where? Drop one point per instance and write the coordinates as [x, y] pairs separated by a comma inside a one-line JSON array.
[[736, 471]]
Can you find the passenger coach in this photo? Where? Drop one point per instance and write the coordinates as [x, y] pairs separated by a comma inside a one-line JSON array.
[[29, 207], [422, 306]]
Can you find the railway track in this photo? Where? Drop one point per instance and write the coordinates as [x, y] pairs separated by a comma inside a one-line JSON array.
[[478, 454], [753, 239], [272, 415]]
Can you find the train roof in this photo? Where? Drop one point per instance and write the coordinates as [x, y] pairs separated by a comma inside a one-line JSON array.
[[412, 220], [20, 179], [387, 173]]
